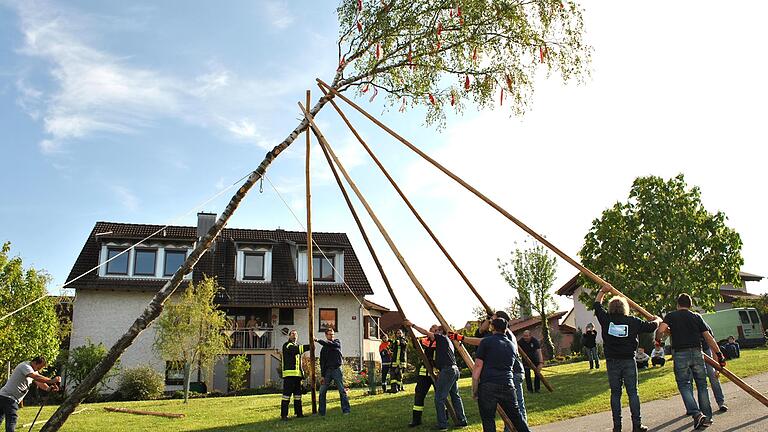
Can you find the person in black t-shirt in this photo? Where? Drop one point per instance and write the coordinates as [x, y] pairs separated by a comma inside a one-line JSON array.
[[492, 382], [589, 340], [687, 329], [620, 342], [532, 348]]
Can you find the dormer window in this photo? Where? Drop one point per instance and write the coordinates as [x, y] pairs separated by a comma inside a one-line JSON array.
[[144, 262], [173, 260], [322, 268], [253, 265], [119, 265]]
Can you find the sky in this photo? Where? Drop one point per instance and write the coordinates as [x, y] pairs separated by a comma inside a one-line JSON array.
[[139, 111]]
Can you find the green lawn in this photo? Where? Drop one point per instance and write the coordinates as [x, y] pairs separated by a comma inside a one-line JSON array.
[[578, 391]]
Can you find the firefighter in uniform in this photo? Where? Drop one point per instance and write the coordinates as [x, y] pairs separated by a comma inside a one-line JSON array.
[[398, 349], [423, 381], [386, 360], [292, 375]]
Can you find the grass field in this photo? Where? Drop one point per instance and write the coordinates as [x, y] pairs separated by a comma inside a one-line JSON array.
[[578, 391]]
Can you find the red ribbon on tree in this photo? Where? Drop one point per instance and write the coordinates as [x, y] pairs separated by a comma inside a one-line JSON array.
[[501, 99], [453, 98], [359, 26], [439, 29], [342, 61], [509, 82], [373, 96], [365, 89], [378, 51], [542, 53], [359, 5], [474, 54], [466, 82], [431, 99]]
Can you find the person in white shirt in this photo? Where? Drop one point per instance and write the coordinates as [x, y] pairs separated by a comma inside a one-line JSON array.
[[16, 388], [657, 355]]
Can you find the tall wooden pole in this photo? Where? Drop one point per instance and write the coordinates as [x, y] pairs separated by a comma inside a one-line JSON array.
[[414, 340], [429, 231], [310, 278], [443, 322]]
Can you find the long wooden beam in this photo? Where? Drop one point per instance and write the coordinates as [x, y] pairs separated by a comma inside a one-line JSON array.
[[429, 231], [398, 306], [310, 278], [459, 348]]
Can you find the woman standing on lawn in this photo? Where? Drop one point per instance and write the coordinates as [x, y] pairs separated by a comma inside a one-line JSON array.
[[589, 340]]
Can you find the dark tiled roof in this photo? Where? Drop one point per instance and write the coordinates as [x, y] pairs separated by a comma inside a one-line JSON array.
[[283, 290]]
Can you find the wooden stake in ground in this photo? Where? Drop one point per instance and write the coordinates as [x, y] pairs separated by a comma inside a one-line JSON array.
[[443, 322], [138, 412], [426, 227], [310, 279], [414, 340]]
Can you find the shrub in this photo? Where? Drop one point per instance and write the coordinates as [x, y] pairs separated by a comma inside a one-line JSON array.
[[82, 360], [141, 383], [237, 372]]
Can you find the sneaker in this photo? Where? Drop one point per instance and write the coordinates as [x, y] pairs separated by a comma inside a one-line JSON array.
[[723, 408], [701, 422], [640, 428]]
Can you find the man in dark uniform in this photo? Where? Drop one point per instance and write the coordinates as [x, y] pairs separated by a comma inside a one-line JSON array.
[[532, 348], [424, 380], [292, 375], [398, 348], [386, 360]]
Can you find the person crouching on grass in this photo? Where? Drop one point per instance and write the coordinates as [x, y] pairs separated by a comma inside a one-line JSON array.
[[619, 331], [17, 386], [492, 379]]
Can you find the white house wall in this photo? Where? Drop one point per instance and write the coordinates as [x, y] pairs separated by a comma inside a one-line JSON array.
[[584, 316], [350, 330]]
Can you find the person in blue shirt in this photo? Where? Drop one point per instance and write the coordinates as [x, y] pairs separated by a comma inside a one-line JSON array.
[[331, 360], [492, 378]]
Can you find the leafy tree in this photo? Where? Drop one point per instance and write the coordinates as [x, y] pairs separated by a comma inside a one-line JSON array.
[[531, 272], [420, 52], [191, 330], [34, 330], [237, 372], [82, 360], [660, 243]]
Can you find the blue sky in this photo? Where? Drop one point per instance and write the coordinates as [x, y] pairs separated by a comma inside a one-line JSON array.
[[137, 111]]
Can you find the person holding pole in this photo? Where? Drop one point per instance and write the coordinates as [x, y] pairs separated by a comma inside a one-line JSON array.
[[331, 360], [293, 374], [423, 380], [448, 378], [398, 348], [687, 329], [492, 378], [532, 349], [484, 330], [17, 386], [620, 331]]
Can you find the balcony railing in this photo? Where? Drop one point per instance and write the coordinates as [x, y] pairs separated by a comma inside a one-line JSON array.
[[253, 338]]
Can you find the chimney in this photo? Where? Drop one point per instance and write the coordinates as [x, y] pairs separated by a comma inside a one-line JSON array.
[[204, 223]]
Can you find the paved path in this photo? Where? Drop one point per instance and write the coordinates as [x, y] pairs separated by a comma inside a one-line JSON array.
[[745, 414]]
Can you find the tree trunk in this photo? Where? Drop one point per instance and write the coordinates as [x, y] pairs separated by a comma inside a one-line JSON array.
[[187, 373], [546, 337], [155, 306]]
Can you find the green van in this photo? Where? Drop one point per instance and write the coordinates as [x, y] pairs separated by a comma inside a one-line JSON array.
[[742, 323]]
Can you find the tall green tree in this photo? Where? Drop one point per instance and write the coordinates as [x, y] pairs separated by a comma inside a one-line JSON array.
[[34, 330], [531, 273], [190, 331], [437, 54], [660, 243]]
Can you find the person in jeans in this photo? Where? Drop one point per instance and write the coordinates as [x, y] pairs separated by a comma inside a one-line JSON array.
[[687, 329], [492, 378], [447, 379], [532, 348], [17, 386], [330, 370], [713, 374], [589, 340], [484, 330], [620, 342], [657, 355]]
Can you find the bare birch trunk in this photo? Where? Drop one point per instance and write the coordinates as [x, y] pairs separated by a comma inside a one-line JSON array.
[[155, 306]]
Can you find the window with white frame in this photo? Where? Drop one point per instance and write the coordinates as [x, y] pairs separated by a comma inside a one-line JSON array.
[[144, 262], [328, 268], [173, 260], [322, 267], [156, 260], [254, 263]]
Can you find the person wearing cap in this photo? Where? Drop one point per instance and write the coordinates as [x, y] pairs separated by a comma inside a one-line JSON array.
[[492, 378]]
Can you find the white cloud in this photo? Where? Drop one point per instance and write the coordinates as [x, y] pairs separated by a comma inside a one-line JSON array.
[[126, 197], [50, 146], [278, 14]]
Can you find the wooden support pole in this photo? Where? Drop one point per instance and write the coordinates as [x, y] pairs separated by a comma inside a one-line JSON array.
[[310, 278], [140, 412], [398, 306], [429, 231], [443, 322], [712, 362]]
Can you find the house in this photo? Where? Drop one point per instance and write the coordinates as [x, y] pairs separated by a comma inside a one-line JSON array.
[[263, 275], [580, 316]]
